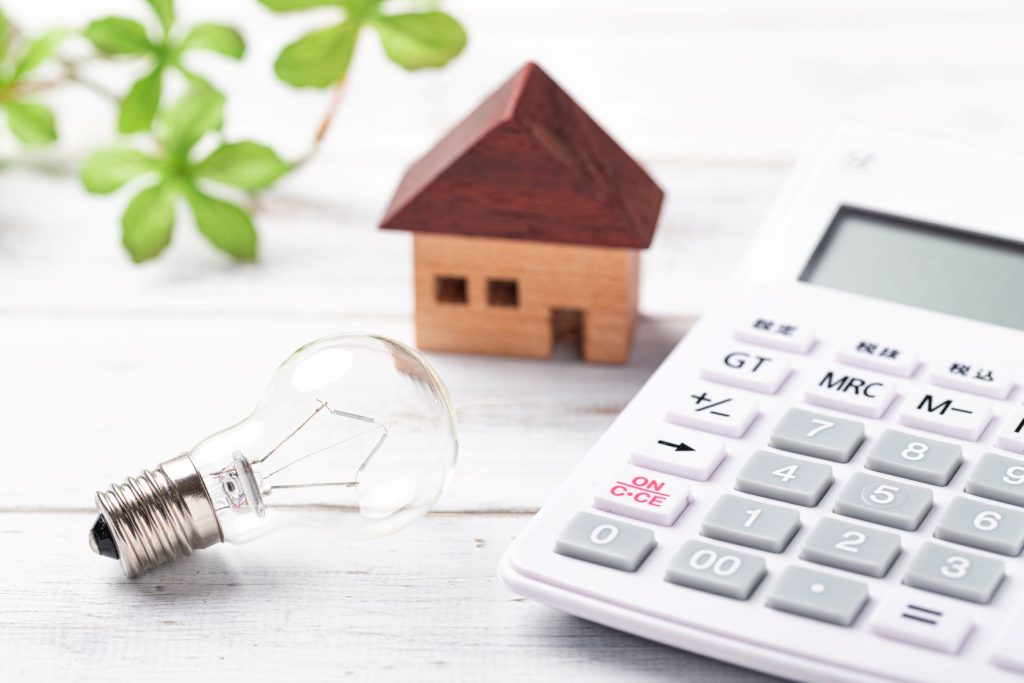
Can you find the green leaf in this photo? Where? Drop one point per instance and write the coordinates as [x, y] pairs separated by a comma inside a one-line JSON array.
[[165, 13], [215, 37], [227, 226], [118, 36], [247, 165], [30, 122], [38, 51], [419, 40], [139, 106], [318, 59], [148, 221], [108, 169], [296, 5], [199, 111]]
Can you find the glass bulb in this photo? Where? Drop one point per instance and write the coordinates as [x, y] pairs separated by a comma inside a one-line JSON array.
[[355, 434]]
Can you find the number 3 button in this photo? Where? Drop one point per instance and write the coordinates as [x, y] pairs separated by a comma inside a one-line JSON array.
[[955, 573]]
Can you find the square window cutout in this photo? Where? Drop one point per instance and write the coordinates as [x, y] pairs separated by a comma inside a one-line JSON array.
[[450, 290], [503, 293]]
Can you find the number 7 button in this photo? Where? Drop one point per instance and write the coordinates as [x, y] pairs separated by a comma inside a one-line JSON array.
[[817, 435]]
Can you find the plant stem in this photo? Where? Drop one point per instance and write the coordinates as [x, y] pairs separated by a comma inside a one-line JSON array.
[[337, 95], [72, 74]]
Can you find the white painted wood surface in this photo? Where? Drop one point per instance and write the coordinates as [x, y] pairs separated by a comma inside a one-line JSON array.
[[106, 368]]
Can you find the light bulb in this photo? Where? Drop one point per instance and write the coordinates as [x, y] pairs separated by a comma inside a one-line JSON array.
[[355, 434]]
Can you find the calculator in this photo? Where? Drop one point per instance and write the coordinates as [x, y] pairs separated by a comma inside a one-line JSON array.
[[824, 480]]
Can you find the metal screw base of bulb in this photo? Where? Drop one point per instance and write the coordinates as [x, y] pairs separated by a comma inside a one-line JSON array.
[[156, 517]]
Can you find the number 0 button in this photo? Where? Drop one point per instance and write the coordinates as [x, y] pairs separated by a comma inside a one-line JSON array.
[[604, 541], [817, 435]]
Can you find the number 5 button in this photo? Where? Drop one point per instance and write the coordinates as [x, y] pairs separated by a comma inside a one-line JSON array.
[[883, 501]]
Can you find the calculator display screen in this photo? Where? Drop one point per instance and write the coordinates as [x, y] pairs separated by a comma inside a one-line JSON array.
[[920, 264]]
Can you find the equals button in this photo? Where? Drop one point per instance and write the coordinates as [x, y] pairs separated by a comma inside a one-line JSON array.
[[911, 617]]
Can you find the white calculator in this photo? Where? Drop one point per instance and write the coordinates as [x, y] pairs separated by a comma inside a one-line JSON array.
[[825, 479]]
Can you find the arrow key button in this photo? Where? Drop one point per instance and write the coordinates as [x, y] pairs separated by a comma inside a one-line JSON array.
[[673, 450]]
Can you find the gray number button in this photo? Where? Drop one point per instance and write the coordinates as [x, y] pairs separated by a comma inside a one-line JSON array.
[[604, 541], [999, 478], [884, 501], [852, 547], [818, 595], [983, 525], [955, 572], [915, 457], [716, 569], [781, 477], [817, 435], [751, 523]]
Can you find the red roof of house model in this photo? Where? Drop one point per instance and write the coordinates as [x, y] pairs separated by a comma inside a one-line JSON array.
[[529, 163]]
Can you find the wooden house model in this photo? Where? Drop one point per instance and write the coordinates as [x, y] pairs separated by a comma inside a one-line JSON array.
[[527, 221]]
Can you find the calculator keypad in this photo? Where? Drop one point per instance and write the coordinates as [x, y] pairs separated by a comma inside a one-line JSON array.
[[955, 572], [785, 478], [818, 595], [884, 501], [751, 523], [716, 569], [844, 548], [986, 526], [853, 547], [605, 541], [915, 457]]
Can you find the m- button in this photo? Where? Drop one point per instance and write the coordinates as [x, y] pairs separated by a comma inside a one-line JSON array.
[[748, 369], [945, 413], [852, 392]]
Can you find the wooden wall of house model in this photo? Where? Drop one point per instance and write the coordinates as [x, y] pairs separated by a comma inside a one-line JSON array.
[[528, 220]]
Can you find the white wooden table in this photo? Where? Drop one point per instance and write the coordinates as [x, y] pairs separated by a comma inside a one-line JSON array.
[[106, 368]]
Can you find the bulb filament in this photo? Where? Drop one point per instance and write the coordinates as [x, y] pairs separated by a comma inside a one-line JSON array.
[[245, 488]]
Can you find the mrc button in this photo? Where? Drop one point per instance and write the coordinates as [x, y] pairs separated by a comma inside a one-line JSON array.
[[852, 391]]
